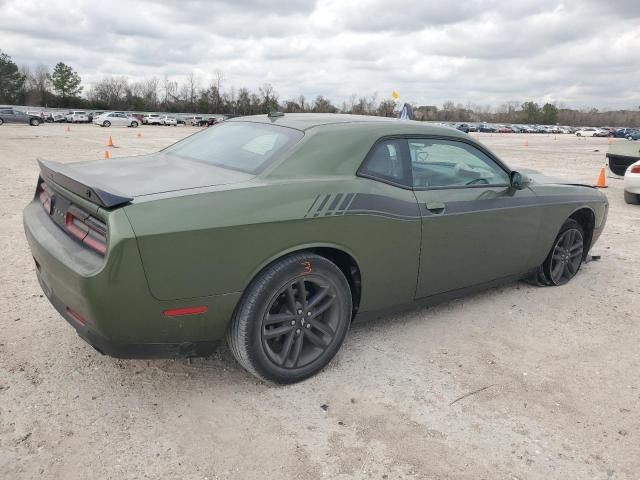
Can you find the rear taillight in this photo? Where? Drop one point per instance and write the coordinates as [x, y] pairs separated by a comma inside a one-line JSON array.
[[89, 230], [45, 198], [635, 169]]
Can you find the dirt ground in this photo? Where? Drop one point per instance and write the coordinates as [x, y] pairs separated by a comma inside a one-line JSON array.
[[556, 370]]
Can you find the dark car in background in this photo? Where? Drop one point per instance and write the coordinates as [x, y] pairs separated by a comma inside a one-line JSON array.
[[633, 135], [622, 132], [10, 115], [207, 121], [486, 129], [463, 127]]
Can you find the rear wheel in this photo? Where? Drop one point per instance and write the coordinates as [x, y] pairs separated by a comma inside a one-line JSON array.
[[134, 124], [34, 122], [1, 121], [106, 123], [631, 198], [292, 319]]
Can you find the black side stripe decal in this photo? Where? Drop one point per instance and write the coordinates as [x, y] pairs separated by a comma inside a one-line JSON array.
[[380, 205]]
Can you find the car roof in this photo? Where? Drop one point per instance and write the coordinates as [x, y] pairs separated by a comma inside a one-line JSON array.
[[307, 121]]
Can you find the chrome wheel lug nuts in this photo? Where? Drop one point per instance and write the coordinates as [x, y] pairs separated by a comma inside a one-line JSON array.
[[293, 322], [308, 314]]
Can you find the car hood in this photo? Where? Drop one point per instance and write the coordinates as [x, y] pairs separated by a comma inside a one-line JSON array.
[[110, 183], [538, 177]]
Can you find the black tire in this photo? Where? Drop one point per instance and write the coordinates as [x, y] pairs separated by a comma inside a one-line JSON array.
[[1, 121], [631, 198], [106, 123], [565, 257], [578, 134], [277, 336], [134, 124], [34, 122]]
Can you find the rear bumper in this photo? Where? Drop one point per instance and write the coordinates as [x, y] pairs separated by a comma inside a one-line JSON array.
[[120, 316], [632, 183]]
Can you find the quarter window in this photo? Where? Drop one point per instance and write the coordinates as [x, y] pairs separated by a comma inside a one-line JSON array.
[[444, 163], [386, 161]]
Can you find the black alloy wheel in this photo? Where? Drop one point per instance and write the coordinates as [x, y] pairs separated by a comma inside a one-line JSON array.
[[300, 323], [566, 255], [292, 318]]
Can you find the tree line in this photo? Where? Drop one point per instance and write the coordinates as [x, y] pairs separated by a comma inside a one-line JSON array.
[[62, 87]]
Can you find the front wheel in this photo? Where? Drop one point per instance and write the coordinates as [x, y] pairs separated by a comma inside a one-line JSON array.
[[292, 319], [34, 122], [134, 124], [106, 123], [565, 258], [578, 134], [1, 121]]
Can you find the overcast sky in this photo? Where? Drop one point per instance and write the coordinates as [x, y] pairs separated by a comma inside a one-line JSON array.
[[576, 52]]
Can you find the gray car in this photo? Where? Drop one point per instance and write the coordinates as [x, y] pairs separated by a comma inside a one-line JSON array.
[[9, 115]]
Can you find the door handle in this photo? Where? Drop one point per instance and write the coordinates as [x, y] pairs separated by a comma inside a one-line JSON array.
[[435, 207]]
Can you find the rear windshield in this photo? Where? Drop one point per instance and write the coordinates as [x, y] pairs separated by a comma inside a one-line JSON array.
[[247, 147]]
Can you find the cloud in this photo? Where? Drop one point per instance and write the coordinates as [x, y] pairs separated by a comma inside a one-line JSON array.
[[577, 52]]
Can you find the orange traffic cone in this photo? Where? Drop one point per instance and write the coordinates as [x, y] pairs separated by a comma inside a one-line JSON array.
[[68, 128], [602, 181], [106, 154], [609, 141], [110, 142]]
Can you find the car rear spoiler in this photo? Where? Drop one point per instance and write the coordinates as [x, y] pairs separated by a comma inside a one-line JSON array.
[[100, 195]]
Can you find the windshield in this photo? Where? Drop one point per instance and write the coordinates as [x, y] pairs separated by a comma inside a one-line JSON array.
[[243, 146]]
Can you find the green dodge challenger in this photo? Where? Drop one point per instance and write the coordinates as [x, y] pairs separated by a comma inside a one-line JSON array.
[[276, 231]]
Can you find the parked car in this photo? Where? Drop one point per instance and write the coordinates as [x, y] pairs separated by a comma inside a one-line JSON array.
[[463, 127], [158, 255], [621, 132], [632, 184], [167, 120], [116, 119], [207, 121], [77, 117], [633, 135], [11, 115], [92, 115], [528, 129], [486, 128], [604, 132], [504, 129], [193, 121], [587, 132], [152, 119]]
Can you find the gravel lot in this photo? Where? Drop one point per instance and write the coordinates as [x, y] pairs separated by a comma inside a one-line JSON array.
[[559, 367]]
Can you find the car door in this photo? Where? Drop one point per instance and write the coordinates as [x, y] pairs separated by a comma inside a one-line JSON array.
[[12, 116], [387, 219], [475, 227]]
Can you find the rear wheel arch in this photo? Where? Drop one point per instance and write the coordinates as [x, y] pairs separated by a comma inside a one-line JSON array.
[[341, 257]]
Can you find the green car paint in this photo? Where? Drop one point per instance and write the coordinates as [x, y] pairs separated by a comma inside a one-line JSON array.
[[185, 233]]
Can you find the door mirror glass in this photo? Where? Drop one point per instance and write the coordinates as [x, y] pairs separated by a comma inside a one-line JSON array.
[[518, 181]]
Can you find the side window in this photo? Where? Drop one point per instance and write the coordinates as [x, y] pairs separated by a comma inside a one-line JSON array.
[[444, 163], [386, 161]]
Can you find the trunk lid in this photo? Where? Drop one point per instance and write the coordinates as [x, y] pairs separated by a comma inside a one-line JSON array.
[[111, 183]]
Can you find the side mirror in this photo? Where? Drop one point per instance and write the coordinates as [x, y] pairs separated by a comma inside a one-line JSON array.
[[518, 181]]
